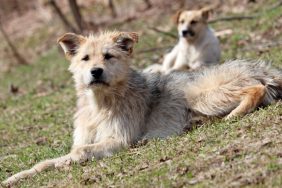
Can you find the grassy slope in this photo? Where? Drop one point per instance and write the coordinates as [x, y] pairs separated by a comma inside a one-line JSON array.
[[247, 151]]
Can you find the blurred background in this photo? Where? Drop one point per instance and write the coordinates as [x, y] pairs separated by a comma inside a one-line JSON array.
[[29, 29]]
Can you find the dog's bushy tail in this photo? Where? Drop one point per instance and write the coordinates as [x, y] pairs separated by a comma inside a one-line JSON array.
[[36, 169], [272, 79]]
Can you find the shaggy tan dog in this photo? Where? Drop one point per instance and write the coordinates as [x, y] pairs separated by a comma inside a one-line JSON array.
[[118, 106]]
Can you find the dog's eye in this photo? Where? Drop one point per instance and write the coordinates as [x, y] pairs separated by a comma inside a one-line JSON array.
[[108, 56], [182, 21], [193, 22], [85, 58]]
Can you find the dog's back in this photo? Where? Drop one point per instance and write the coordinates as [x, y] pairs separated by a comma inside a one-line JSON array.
[[167, 113], [234, 88]]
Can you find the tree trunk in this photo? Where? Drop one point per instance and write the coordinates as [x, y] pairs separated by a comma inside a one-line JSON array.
[[148, 4], [113, 8], [20, 59], [77, 15], [18, 8], [58, 11]]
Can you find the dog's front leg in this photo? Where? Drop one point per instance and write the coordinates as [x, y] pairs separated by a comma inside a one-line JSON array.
[[86, 152], [169, 59], [181, 61]]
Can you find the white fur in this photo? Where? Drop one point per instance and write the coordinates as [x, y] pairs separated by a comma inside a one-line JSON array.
[[203, 52]]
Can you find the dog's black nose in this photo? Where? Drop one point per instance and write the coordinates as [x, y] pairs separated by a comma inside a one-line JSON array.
[[97, 73], [189, 32], [185, 32]]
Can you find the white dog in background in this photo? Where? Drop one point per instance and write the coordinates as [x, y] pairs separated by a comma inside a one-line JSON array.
[[197, 46]]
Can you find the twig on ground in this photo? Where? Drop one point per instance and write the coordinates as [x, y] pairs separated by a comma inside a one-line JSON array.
[[153, 49], [163, 32], [231, 18]]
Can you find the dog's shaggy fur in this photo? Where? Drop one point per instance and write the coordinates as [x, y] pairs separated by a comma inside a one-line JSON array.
[[118, 106], [197, 45]]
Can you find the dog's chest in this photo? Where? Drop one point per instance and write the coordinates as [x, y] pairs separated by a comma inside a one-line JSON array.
[[97, 126], [190, 53]]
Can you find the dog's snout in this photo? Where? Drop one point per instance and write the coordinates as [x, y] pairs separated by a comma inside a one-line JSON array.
[[184, 32], [188, 32], [97, 73]]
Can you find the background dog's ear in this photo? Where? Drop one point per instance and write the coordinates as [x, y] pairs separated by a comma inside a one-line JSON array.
[[126, 40], [176, 16], [206, 12], [70, 42]]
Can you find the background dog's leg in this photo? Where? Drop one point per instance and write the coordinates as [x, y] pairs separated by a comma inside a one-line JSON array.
[[251, 98], [34, 170], [181, 63], [169, 59]]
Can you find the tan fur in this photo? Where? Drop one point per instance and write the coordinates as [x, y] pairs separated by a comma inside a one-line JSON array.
[[250, 97], [118, 106]]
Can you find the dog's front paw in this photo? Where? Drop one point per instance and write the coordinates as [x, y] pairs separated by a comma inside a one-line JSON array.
[[79, 155], [63, 161]]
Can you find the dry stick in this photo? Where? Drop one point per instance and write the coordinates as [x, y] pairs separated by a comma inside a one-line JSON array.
[[77, 15], [20, 59], [231, 18], [58, 11], [163, 32], [153, 49]]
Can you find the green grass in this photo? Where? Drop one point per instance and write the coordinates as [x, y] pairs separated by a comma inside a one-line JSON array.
[[36, 124]]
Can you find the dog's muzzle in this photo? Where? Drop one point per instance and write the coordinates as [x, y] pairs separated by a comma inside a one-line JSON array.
[[188, 32], [97, 77]]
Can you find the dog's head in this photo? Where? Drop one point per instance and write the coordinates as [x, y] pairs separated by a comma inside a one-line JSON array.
[[99, 61], [191, 23]]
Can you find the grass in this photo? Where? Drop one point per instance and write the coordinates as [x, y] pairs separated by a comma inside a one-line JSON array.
[[36, 124]]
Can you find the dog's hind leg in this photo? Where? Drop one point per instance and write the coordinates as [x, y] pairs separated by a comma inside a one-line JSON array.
[[251, 97]]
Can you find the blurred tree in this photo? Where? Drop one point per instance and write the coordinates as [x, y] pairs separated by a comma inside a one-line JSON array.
[[148, 4], [18, 7], [113, 8], [58, 11], [77, 15], [20, 59]]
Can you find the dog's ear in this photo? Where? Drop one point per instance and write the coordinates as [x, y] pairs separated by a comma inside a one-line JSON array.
[[176, 16], [70, 42], [205, 12], [126, 40]]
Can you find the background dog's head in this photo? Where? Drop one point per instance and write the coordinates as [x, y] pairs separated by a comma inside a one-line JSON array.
[[191, 23], [99, 61]]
